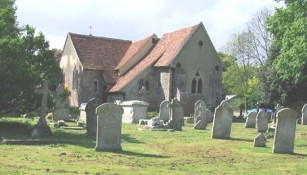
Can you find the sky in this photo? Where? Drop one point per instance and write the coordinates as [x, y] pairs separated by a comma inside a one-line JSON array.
[[137, 19]]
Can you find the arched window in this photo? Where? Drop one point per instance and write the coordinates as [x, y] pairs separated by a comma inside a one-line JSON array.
[[141, 83], [75, 78], [193, 86], [147, 84], [199, 86], [95, 85]]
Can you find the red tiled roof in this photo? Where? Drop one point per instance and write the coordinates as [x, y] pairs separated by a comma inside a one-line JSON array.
[[99, 53], [134, 48], [163, 53]]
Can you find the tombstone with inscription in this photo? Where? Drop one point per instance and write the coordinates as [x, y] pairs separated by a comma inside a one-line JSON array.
[[91, 117], [285, 131], [251, 120], [41, 129], [304, 115], [164, 111], [61, 111], [222, 121], [109, 122]]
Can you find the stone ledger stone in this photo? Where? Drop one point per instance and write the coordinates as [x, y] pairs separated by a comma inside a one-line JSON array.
[[222, 121], [109, 124], [285, 131], [91, 117], [251, 120]]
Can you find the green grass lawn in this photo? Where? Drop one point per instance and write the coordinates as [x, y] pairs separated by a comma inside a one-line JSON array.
[[149, 152]]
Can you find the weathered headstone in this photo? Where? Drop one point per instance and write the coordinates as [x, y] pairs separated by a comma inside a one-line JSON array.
[[200, 122], [251, 120], [61, 111], [109, 124], [164, 111], [41, 129], [199, 107], [304, 115], [285, 131], [91, 117], [262, 122], [176, 115], [222, 120], [260, 140], [209, 115], [277, 108]]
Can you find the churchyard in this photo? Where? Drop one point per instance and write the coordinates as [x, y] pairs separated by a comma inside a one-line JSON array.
[[188, 151]]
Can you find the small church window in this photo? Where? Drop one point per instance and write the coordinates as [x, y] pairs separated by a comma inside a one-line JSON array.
[[217, 68], [141, 83], [147, 84], [95, 85], [193, 86], [178, 65], [199, 86], [75, 78], [200, 43]]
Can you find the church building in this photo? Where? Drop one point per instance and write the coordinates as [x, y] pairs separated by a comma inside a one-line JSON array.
[[182, 64]]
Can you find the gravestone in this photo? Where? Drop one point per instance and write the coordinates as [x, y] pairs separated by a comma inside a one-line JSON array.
[[134, 110], [164, 111], [285, 131], [304, 115], [251, 120], [199, 107], [222, 121], [82, 114], [91, 117], [41, 129], [109, 122], [209, 115], [262, 121], [200, 122], [268, 116], [277, 108], [260, 140], [61, 111], [176, 115]]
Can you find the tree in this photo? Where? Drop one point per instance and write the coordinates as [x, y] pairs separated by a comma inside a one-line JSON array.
[[25, 60], [288, 25]]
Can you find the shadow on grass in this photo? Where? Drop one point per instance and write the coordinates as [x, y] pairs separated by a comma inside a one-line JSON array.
[[80, 139], [128, 138], [130, 153], [299, 154], [241, 139]]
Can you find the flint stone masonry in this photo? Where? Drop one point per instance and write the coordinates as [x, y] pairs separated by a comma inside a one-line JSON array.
[[260, 140], [304, 115], [285, 131], [134, 111], [91, 117], [164, 111], [251, 120], [222, 121], [109, 124], [262, 121]]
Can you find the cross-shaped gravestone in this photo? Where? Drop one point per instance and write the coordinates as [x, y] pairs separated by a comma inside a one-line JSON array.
[[41, 128]]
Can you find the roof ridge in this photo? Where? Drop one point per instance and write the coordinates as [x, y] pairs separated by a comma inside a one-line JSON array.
[[99, 37]]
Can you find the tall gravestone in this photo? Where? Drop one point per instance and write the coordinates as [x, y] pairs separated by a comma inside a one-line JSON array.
[[277, 108], [109, 122], [285, 131], [41, 129], [91, 117], [222, 120], [304, 115], [61, 111], [262, 122], [200, 121], [164, 111], [251, 120], [176, 115]]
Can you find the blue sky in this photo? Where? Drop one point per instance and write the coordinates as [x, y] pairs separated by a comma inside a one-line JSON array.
[[136, 19]]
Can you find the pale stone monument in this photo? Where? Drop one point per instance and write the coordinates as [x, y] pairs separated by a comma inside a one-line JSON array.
[[176, 115], [134, 111], [304, 115], [82, 115], [209, 115], [199, 107], [200, 121], [262, 122], [164, 111], [222, 120], [260, 140], [91, 117], [61, 111], [251, 120], [109, 122], [41, 129], [285, 131]]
